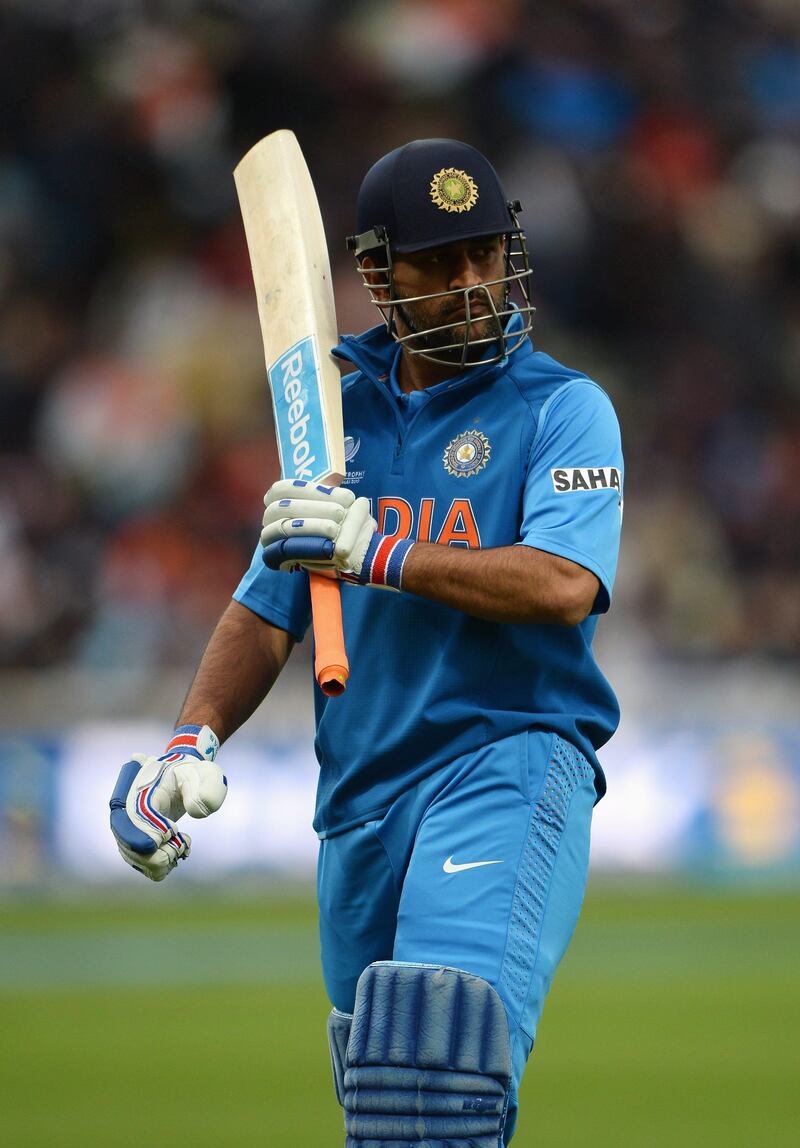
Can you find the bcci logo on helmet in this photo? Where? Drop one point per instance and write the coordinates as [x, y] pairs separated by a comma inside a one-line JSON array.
[[467, 454], [454, 190]]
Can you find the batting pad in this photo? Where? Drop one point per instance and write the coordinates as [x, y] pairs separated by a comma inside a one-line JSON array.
[[428, 1060]]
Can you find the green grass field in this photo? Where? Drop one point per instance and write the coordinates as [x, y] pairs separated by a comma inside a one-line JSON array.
[[198, 1020]]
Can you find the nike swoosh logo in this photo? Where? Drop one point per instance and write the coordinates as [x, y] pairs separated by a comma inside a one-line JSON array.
[[450, 867]]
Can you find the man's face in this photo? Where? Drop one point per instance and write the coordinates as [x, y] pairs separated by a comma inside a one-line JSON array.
[[452, 268]]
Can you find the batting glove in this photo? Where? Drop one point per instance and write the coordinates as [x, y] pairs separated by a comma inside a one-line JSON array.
[[327, 530], [152, 794]]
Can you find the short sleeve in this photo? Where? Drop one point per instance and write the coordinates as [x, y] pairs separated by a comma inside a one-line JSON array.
[[277, 596], [572, 503]]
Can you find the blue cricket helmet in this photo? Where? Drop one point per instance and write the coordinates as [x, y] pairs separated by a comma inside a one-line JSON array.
[[432, 192]]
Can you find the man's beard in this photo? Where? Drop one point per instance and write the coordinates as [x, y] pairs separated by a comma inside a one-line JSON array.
[[448, 344]]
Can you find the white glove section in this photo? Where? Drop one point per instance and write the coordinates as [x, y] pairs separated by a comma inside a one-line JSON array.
[[151, 796], [298, 509]]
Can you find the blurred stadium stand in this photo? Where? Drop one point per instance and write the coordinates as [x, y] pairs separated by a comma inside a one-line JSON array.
[[655, 145]]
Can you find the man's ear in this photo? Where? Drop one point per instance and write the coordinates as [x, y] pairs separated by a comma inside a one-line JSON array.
[[376, 280]]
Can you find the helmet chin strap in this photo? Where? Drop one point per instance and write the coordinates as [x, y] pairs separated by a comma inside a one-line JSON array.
[[409, 322]]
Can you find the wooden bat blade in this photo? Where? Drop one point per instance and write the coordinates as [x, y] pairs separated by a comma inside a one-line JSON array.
[[292, 278], [296, 310]]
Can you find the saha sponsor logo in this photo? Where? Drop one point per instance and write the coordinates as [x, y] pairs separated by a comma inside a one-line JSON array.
[[567, 479]]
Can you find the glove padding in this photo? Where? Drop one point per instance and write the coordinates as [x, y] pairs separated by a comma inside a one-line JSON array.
[[323, 529], [152, 794]]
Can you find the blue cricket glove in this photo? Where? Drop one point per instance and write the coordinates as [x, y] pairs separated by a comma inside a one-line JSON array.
[[327, 530], [152, 794]]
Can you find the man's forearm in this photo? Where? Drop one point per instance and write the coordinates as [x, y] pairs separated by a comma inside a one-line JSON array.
[[239, 667], [507, 584]]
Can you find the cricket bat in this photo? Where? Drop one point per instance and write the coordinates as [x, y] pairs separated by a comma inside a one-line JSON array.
[[292, 278]]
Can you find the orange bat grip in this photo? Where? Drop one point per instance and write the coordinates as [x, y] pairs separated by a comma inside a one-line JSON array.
[[330, 661]]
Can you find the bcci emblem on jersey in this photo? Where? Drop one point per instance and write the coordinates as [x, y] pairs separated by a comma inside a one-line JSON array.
[[468, 453]]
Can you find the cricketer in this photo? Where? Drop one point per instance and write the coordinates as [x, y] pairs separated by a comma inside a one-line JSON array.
[[458, 772]]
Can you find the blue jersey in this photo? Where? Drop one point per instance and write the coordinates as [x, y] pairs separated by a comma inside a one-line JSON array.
[[525, 451]]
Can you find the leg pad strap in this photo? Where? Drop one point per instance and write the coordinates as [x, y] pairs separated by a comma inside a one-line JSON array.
[[338, 1035], [428, 1060]]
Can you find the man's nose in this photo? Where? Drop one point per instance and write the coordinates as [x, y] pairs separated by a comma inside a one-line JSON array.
[[464, 273]]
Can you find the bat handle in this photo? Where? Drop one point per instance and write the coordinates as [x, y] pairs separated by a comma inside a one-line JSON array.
[[330, 662]]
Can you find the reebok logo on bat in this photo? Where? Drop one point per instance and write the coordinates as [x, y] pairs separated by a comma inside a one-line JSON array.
[[295, 382], [573, 478], [451, 867], [297, 415]]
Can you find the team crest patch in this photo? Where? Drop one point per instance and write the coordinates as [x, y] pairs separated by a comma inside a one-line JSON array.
[[454, 190], [467, 454]]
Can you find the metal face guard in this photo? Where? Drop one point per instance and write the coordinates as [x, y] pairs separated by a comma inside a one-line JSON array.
[[461, 352]]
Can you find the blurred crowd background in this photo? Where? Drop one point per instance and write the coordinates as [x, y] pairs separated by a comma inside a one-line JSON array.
[[655, 146]]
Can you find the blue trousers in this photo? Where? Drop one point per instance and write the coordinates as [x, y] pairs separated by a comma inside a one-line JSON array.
[[481, 867]]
